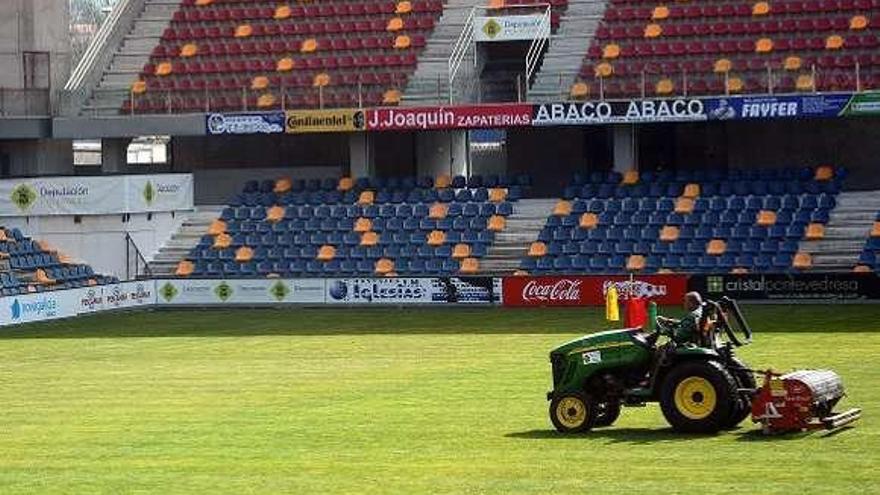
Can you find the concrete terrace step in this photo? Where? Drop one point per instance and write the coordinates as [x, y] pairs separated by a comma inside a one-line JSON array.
[[512, 244]]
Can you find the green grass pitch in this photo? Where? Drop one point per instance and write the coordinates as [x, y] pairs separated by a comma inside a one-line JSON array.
[[402, 401]]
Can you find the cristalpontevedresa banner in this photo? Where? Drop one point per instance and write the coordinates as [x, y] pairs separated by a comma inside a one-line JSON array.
[[805, 286], [619, 112], [99, 195], [589, 290]]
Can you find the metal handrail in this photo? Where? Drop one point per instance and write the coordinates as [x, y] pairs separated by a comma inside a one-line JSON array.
[[138, 258], [460, 49], [536, 48]]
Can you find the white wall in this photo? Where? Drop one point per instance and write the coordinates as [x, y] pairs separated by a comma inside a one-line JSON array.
[[442, 152], [99, 240]]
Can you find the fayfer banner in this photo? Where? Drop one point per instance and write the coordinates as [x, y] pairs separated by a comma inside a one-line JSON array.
[[102, 195], [340, 120], [511, 27]]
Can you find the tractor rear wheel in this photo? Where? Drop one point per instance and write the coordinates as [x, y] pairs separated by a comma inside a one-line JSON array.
[[743, 405], [607, 413], [573, 412], [698, 397]]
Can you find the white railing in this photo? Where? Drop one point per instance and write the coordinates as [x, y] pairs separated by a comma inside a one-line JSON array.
[[536, 48], [463, 44]]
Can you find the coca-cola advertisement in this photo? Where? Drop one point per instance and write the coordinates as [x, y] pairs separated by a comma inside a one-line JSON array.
[[590, 290]]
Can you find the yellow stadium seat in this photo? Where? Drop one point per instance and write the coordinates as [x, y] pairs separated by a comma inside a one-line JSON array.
[[442, 181], [589, 221], [635, 262], [217, 227], [282, 12], [766, 218], [308, 45], [285, 64], [875, 230], [163, 69], [664, 87], [345, 184], [834, 42], [692, 190], [404, 7], [189, 50], [222, 241], [266, 100], [259, 82], [653, 30], [764, 45], [243, 254], [739, 270], [65, 259], [520, 273], [537, 249], [326, 253], [665, 271], [862, 269], [243, 31], [562, 208], [734, 84], [716, 247], [469, 266], [369, 239], [184, 268], [45, 246], [722, 65], [579, 90], [630, 177], [402, 42], [815, 231], [497, 194], [366, 198], [802, 261], [497, 223], [3, 237], [858, 22], [604, 69], [669, 233], [438, 211], [41, 277], [461, 251], [611, 51], [804, 82], [760, 8], [282, 185], [275, 213], [139, 87], [391, 97], [684, 205], [825, 172], [321, 80], [659, 13], [363, 225], [384, 266], [792, 63], [202, 3], [394, 24], [436, 238], [495, 4]]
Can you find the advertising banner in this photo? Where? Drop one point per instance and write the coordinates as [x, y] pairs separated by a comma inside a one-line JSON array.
[[806, 286], [99, 195], [590, 290], [864, 104], [244, 123], [455, 117], [619, 112], [511, 27], [41, 306], [463, 290], [129, 294], [239, 291], [773, 107], [339, 120]]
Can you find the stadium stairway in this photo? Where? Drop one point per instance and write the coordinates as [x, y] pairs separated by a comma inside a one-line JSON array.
[[191, 230], [568, 46], [512, 244], [129, 57], [845, 232], [428, 84]]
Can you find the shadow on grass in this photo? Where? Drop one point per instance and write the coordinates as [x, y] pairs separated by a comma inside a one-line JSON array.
[[635, 436], [756, 435]]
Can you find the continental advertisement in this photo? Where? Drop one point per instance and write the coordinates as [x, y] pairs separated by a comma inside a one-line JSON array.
[[337, 120]]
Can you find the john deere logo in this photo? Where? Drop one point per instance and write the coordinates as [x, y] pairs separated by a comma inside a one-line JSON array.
[[223, 291], [279, 291], [492, 28], [168, 292], [715, 284], [23, 196], [149, 193]]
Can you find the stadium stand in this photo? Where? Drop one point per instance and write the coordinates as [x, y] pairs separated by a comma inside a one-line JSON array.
[[869, 259], [718, 47], [686, 221], [356, 227], [28, 266], [234, 55]]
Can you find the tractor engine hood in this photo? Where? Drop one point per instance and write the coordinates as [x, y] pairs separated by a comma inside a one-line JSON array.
[[610, 338]]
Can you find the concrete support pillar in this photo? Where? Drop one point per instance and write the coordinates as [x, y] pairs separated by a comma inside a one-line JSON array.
[[35, 157], [442, 152], [114, 155], [625, 148], [360, 154]]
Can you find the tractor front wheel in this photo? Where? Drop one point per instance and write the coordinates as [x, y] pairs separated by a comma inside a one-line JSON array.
[[572, 412], [607, 413], [698, 397]]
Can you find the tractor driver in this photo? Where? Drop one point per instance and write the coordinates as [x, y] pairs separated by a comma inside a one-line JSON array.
[[685, 330]]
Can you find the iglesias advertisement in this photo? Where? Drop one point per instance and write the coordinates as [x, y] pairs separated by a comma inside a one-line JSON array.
[[590, 290], [461, 290]]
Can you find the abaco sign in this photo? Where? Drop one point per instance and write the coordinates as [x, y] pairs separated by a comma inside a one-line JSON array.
[[590, 290]]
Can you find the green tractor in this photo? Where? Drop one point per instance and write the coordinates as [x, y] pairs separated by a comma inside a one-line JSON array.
[[702, 387]]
